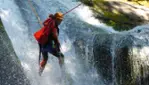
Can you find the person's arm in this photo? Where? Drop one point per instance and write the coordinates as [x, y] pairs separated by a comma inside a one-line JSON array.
[[51, 15], [46, 22], [55, 37]]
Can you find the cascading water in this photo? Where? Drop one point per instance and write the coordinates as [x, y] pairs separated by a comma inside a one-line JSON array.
[[20, 24]]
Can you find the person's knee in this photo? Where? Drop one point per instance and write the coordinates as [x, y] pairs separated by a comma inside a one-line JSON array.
[[45, 56], [59, 54]]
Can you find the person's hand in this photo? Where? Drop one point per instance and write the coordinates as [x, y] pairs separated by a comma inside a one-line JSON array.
[[57, 46]]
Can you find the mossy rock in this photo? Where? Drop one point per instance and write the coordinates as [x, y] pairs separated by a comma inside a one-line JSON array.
[[140, 2], [1, 25], [114, 14]]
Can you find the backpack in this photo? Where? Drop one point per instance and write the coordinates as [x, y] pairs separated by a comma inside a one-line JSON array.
[[42, 35]]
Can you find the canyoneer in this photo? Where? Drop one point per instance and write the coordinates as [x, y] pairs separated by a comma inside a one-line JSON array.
[[48, 41]]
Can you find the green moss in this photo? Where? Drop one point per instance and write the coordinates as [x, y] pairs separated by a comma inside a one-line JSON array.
[[91, 2], [110, 16], [1, 26], [140, 2], [117, 21], [115, 18], [118, 26]]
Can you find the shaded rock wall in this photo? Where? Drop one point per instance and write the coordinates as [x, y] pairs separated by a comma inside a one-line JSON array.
[[102, 56], [124, 60], [121, 58], [11, 72]]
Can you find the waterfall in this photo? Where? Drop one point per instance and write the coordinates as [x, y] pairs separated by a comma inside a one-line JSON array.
[[20, 23]]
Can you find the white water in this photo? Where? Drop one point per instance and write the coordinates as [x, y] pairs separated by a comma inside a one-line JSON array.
[[26, 47], [87, 15]]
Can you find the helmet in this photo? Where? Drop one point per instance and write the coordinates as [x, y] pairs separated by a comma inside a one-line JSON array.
[[59, 15]]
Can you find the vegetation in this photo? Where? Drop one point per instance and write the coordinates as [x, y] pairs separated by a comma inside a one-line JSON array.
[[107, 12], [1, 26], [140, 2]]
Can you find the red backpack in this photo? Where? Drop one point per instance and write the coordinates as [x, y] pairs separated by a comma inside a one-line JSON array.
[[42, 35]]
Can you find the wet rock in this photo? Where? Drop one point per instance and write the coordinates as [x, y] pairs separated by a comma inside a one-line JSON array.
[[122, 58], [119, 14], [11, 72], [102, 56]]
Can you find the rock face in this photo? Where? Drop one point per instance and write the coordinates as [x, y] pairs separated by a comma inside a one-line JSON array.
[[11, 72], [119, 14], [123, 59], [102, 56]]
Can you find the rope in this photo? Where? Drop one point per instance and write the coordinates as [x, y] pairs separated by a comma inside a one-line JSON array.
[[33, 9], [72, 9], [40, 23]]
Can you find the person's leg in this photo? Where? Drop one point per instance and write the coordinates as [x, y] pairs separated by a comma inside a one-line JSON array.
[[56, 52], [60, 57], [44, 61], [61, 60]]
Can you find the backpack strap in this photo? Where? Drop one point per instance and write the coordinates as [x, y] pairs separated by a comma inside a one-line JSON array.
[[39, 53]]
